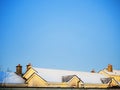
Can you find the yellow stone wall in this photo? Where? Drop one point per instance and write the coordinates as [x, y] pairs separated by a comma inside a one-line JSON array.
[[115, 78], [95, 85], [36, 81], [28, 73], [74, 82], [51, 84]]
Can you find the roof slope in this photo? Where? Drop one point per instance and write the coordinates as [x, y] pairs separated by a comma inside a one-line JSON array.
[[52, 75], [10, 77], [114, 72]]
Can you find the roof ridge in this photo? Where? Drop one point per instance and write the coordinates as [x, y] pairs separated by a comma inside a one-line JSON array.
[[67, 70]]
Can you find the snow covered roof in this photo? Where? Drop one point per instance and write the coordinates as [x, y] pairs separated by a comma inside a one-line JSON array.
[[10, 77], [114, 72], [52, 75]]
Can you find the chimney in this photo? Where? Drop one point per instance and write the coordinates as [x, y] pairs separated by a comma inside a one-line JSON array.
[[19, 69], [93, 71], [110, 68], [28, 66]]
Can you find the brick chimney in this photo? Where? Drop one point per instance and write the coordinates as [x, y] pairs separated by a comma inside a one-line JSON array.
[[19, 69], [110, 68], [28, 66]]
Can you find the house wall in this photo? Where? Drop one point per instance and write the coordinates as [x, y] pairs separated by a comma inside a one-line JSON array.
[[115, 78], [28, 73], [96, 85], [113, 83], [74, 82], [36, 81], [57, 84], [12, 85]]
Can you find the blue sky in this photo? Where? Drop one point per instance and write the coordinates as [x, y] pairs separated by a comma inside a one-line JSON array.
[[63, 34]]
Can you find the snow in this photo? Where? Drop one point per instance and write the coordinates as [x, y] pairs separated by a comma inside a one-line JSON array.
[[115, 72], [119, 84], [10, 77], [52, 75]]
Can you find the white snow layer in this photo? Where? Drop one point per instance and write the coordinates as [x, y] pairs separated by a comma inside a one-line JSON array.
[[114, 72], [12, 77], [52, 75]]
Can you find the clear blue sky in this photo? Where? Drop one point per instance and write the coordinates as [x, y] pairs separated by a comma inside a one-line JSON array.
[[62, 34]]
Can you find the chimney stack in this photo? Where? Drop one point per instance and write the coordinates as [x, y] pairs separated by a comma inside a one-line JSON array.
[[19, 69], [28, 66], [110, 68], [93, 71]]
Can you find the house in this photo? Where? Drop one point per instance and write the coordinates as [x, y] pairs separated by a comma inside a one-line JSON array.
[[41, 77], [114, 74], [11, 79]]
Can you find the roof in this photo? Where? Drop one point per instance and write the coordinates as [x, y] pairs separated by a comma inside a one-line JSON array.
[[114, 72], [67, 78], [53, 75], [10, 77]]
